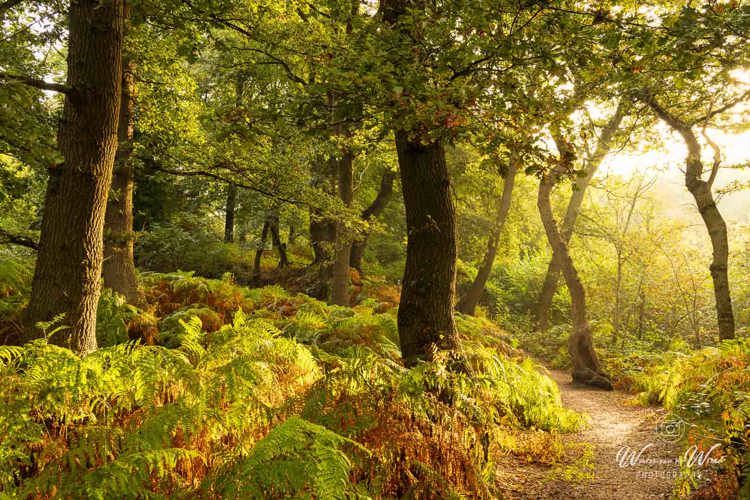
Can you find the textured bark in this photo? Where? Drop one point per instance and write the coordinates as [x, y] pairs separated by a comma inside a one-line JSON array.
[[374, 210], [586, 366], [425, 315], [343, 245], [229, 218], [712, 218], [67, 278], [549, 287], [118, 268], [322, 236], [469, 301]]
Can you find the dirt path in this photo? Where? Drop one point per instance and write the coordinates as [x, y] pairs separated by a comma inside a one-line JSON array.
[[614, 424]]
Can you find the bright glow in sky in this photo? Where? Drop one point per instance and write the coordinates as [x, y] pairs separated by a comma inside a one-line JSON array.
[[667, 162]]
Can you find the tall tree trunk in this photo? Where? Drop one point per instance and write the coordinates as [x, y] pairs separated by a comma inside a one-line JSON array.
[[549, 287], [118, 268], [322, 229], [425, 315], [586, 366], [617, 313], [374, 210], [343, 242], [322, 234], [712, 218], [276, 241], [230, 207], [259, 251], [67, 278], [468, 303]]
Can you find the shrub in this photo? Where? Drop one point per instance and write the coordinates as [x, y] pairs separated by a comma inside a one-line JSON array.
[[183, 245], [708, 395]]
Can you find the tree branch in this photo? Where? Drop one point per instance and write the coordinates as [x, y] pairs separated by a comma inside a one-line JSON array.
[[35, 82], [17, 239], [721, 109], [381, 200], [673, 121], [215, 19], [717, 158], [218, 177]]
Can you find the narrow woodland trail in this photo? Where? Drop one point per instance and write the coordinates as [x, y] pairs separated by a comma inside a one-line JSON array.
[[614, 424]]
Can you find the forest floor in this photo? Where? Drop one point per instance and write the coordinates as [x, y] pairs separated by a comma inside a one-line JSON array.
[[596, 471]]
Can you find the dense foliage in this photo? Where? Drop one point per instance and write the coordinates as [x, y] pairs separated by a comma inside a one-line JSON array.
[[329, 248], [230, 383]]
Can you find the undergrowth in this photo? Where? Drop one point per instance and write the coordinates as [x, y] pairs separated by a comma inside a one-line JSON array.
[[708, 395], [215, 390]]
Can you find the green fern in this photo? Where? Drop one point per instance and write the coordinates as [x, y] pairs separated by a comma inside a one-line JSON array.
[[296, 459]]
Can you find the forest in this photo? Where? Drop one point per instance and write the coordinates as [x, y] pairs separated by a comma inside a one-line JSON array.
[[336, 249]]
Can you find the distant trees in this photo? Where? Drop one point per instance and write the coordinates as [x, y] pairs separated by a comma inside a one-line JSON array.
[[229, 209], [286, 103], [614, 223], [470, 299], [370, 213], [118, 269], [685, 79]]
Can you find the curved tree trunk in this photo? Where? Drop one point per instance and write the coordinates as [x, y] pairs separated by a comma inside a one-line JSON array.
[[586, 366], [276, 241], [118, 268], [712, 218], [375, 209], [549, 287], [259, 251], [425, 315], [343, 243], [67, 278], [230, 208], [468, 303]]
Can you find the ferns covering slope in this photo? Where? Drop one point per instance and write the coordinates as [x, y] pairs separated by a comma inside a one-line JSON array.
[[708, 395], [225, 391]]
